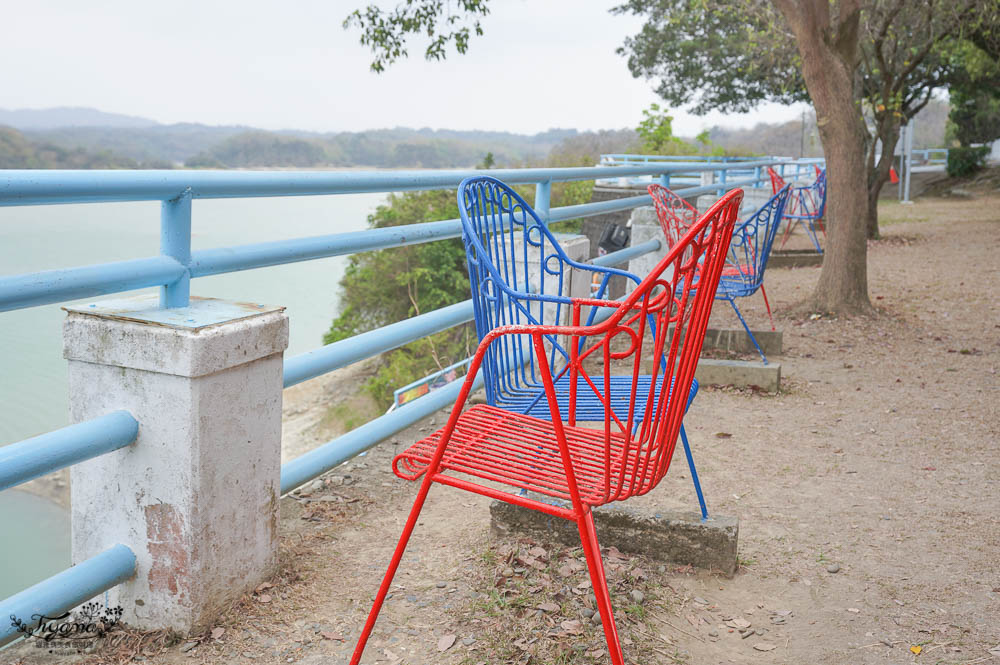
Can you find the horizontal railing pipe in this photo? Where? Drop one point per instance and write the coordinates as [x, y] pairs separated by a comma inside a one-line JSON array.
[[52, 286], [37, 456], [246, 257], [333, 356], [19, 187], [64, 591], [330, 455]]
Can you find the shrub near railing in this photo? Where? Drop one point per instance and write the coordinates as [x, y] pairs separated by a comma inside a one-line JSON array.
[[966, 160]]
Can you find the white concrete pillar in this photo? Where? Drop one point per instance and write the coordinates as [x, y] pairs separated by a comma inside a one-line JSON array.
[[645, 227], [576, 284], [196, 496]]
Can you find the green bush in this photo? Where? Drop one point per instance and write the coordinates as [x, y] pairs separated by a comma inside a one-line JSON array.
[[966, 161]]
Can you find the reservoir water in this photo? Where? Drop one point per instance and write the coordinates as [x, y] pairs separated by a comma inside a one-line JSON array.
[[33, 393]]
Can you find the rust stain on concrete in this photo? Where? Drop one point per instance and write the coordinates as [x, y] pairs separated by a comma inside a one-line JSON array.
[[164, 531]]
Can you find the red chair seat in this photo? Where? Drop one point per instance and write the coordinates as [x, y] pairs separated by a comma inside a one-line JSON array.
[[521, 451]]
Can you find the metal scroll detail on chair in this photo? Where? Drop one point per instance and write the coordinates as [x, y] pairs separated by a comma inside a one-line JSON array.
[[675, 214], [519, 274], [586, 467], [805, 204]]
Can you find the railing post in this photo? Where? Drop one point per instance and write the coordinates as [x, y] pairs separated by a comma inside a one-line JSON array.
[[665, 180], [175, 242], [756, 176], [722, 181], [195, 497], [543, 195]]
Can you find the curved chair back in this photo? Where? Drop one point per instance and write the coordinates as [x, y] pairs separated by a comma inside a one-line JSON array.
[[675, 214], [519, 275], [751, 246], [677, 298], [777, 182]]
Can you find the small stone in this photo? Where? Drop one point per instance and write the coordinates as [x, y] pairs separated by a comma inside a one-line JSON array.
[[747, 633], [247, 654], [596, 619], [441, 585], [586, 613], [713, 633], [316, 486], [468, 641], [637, 596], [188, 646], [833, 568], [700, 600], [508, 572]]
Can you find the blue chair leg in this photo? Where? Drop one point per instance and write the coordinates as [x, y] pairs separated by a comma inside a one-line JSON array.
[[752, 338], [811, 227], [694, 475]]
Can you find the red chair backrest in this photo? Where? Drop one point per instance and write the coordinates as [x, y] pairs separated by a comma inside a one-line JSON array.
[[777, 182], [675, 214], [676, 297]]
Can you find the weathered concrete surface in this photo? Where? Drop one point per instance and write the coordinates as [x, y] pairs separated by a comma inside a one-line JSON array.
[[679, 538], [739, 373], [196, 496], [794, 258], [738, 341], [645, 227]]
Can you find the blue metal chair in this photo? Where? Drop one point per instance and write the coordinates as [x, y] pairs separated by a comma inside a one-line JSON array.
[[520, 275], [746, 261], [805, 204]]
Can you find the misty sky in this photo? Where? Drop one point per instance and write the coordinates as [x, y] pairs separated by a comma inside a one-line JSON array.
[[541, 64]]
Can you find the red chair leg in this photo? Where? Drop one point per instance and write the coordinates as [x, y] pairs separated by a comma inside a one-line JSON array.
[[397, 556], [588, 537], [768, 306]]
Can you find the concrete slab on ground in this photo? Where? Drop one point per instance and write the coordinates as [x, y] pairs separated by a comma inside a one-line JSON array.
[[739, 373], [680, 538], [794, 258], [738, 341]]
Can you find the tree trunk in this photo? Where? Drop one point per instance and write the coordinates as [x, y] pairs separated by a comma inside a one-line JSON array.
[[829, 59], [878, 174]]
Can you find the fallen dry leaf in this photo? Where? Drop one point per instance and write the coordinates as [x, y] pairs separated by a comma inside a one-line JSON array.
[[548, 607], [331, 636], [916, 649], [264, 587], [723, 435], [572, 626], [218, 632], [446, 642], [765, 646], [264, 598]]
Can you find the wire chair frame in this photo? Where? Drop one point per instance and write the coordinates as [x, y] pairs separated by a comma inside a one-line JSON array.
[[746, 260], [805, 204], [505, 242], [587, 467]]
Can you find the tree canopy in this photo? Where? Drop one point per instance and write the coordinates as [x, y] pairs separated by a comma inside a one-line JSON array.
[[386, 32], [867, 66]]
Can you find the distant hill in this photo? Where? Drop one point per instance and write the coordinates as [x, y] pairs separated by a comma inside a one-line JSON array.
[[69, 116], [19, 152]]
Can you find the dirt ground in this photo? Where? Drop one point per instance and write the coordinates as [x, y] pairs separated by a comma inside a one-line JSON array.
[[867, 492]]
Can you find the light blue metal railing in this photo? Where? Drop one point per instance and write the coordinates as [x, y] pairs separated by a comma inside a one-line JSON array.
[[177, 264]]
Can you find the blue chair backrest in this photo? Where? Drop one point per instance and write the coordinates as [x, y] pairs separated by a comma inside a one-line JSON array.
[[518, 274], [752, 241]]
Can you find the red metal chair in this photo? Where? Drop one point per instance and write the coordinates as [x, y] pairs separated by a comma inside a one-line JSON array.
[[582, 466]]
